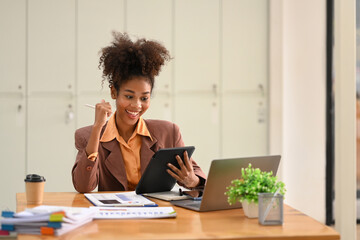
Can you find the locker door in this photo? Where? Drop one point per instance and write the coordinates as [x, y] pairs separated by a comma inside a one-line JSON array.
[[244, 75], [96, 21], [51, 45], [197, 71], [153, 20], [12, 148], [12, 45], [51, 150], [244, 126], [51, 80], [12, 101], [197, 43]]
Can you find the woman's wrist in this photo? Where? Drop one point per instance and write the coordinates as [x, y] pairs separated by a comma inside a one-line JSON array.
[[93, 143], [97, 127]]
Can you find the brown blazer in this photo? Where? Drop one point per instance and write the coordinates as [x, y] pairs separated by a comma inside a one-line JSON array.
[[108, 171]]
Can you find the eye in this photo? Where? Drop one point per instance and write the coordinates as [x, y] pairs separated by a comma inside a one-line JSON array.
[[128, 96], [144, 99]]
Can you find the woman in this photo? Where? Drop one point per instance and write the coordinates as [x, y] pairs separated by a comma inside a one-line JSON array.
[[113, 154]]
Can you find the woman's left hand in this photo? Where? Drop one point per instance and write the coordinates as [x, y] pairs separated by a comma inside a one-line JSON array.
[[185, 174]]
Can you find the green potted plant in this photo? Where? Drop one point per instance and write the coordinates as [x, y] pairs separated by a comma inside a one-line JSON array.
[[246, 189]]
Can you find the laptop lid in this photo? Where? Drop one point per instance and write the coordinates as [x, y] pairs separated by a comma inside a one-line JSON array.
[[221, 173]]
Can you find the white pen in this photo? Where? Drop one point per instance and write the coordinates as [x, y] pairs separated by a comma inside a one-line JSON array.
[[90, 106]]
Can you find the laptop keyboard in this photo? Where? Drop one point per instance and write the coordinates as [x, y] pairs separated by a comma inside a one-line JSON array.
[[193, 204]]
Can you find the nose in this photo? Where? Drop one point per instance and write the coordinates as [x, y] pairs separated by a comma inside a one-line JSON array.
[[136, 103]]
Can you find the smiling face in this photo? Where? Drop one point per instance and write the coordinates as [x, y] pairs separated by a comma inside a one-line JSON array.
[[132, 101]]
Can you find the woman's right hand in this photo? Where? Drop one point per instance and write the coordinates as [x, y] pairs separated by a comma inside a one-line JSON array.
[[102, 112]]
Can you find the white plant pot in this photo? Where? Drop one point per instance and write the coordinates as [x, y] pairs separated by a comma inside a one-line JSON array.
[[251, 210]]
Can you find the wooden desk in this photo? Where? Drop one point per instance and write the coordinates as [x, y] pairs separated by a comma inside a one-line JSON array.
[[226, 224]]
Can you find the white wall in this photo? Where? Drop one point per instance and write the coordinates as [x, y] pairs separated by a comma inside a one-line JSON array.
[[304, 84]]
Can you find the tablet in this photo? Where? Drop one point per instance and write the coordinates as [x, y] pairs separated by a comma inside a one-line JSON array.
[[155, 177]]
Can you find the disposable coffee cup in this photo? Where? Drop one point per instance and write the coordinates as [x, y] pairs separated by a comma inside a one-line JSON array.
[[34, 189]]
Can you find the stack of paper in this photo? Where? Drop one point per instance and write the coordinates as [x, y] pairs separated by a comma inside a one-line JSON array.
[[47, 220]]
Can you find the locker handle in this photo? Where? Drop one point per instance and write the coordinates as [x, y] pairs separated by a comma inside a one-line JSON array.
[[214, 88], [69, 114], [261, 89]]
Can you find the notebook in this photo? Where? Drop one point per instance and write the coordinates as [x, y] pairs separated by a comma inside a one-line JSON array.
[[221, 173]]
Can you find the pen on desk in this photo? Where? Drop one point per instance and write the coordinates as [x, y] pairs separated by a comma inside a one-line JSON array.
[[151, 205], [90, 106]]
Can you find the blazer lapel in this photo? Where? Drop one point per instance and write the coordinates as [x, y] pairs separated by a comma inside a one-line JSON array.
[[148, 149], [114, 161]]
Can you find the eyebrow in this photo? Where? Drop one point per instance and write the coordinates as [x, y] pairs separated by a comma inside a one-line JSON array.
[[131, 91]]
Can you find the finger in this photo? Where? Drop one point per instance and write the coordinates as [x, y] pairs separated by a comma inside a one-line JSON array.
[[181, 164], [105, 107], [99, 106], [108, 109], [102, 100], [187, 162], [176, 170], [174, 175], [105, 104], [101, 110], [108, 114]]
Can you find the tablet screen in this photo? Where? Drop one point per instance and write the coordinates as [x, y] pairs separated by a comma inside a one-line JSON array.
[[155, 177]]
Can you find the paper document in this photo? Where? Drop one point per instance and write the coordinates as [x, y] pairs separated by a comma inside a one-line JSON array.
[[134, 212], [120, 199]]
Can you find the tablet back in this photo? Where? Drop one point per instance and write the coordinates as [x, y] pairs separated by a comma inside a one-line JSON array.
[[155, 177]]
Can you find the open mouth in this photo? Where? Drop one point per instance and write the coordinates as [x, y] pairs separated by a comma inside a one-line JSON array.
[[132, 114]]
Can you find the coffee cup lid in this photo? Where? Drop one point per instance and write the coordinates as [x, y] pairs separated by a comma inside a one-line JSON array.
[[34, 178]]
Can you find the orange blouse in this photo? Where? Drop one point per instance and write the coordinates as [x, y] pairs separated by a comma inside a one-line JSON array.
[[130, 150]]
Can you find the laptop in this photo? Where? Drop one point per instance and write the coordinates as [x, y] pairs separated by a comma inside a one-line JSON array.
[[221, 173]]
